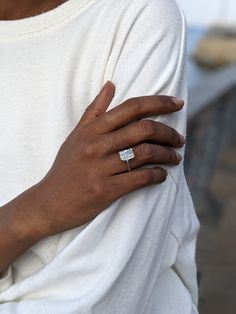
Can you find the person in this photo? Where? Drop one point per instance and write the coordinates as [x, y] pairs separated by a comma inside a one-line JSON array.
[[96, 215]]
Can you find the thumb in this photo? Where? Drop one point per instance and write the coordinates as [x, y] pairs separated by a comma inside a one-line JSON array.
[[100, 104]]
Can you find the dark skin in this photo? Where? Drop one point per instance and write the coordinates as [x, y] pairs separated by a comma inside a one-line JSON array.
[[59, 201], [19, 9]]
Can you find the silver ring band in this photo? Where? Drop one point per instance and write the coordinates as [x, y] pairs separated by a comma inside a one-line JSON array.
[[128, 164]]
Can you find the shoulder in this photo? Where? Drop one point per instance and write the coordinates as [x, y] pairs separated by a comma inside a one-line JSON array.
[[166, 6], [153, 17], [159, 10]]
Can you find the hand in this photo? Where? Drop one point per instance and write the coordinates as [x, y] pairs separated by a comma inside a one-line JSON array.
[[87, 174]]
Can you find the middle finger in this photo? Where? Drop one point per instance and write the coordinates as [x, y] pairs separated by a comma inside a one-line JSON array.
[[142, 131]]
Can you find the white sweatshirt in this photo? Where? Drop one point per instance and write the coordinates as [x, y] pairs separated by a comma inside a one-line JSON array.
[[138, 256]]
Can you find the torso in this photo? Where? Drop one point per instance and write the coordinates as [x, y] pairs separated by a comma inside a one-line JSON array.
[[52, 67]]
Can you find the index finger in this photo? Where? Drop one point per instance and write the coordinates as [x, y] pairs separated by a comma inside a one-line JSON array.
[[137, 108]]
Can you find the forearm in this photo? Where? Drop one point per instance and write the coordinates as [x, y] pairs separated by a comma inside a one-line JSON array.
[[19, 228]]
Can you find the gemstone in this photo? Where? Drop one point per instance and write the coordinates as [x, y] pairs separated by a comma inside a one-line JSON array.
[[126, 154]]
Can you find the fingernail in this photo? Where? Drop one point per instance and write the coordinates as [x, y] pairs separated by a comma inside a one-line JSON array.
[[182, 139], [179, 102], [179, 157]]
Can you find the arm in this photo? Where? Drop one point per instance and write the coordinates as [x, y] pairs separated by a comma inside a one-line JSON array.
[[18, 231], [147, 58], [150, 58], [40, 211], [138, 71]]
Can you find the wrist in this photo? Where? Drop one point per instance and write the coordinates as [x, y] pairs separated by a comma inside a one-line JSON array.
[[19, 220], [13, 240], [21, 225]]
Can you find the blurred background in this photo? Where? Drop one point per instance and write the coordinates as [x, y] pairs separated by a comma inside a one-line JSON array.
[[211, 147]]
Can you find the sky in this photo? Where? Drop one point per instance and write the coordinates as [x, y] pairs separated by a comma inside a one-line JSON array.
[[205, 12]]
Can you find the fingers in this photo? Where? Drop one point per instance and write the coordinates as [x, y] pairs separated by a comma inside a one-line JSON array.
[[144, 154], [125, 183], [99, 104], [142, 131], [137, 108]]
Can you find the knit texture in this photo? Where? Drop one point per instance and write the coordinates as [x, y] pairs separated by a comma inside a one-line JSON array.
[[137, 256]]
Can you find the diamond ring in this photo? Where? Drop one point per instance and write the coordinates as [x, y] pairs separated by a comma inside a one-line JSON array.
[[126, 155]]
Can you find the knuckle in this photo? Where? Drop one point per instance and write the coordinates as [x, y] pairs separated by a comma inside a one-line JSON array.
[[146, 151], [98, 146], [135, 101], [90, 149], [134, 104], [97, 190], [103, 145], [147, 127], [145, 177]]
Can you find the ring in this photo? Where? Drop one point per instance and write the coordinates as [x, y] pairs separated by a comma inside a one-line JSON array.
[[126, 155]]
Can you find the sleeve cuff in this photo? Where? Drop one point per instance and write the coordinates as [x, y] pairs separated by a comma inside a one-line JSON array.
[[6, 280]]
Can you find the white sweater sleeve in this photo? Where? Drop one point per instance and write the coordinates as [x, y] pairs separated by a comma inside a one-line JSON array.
[[114, 263], [149, 57]]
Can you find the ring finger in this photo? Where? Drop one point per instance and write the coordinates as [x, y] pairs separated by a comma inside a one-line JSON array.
[[145, 153]]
